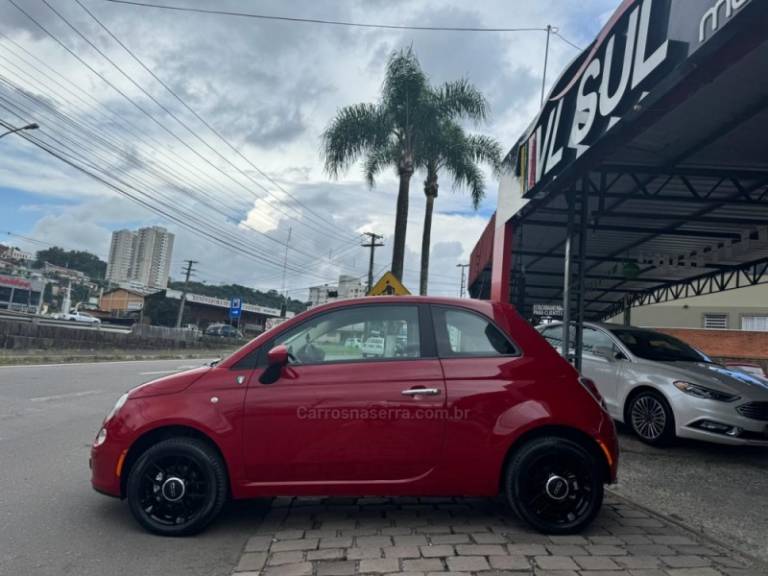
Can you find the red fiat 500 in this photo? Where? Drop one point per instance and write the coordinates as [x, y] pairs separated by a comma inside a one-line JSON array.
[[381, 396]]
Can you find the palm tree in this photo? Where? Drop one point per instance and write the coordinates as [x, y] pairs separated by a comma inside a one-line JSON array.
[[387, 133], [452, 150]]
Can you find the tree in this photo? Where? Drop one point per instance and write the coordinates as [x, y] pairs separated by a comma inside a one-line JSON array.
[[452, 150], [85, 262], [388, 133]]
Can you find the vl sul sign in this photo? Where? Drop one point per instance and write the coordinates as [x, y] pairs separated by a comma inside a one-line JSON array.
[[639, 46]]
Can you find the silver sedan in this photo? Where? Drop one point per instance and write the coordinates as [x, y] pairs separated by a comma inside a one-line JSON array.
[[663, 388]]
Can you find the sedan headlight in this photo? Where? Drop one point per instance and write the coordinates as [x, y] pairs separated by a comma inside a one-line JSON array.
[[703, 392], [119, 404]]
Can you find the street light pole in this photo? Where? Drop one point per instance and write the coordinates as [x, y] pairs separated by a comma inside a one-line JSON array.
[[32, 126]]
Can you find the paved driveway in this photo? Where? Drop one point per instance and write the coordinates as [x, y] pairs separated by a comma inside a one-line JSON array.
[[722, 490], [339, 537]]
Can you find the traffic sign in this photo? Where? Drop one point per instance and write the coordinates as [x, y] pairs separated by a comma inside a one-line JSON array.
[[388, 285], [235, 307]]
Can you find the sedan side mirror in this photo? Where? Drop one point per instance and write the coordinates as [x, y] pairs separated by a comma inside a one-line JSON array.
[[277, 359]]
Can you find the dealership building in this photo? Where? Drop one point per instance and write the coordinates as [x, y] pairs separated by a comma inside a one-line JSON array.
[[21, 294], [643, 180]]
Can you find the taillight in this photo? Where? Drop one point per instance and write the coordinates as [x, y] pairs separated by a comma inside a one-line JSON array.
[[591, 387]]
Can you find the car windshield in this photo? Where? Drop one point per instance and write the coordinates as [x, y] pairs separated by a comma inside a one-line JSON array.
[[657, 346]]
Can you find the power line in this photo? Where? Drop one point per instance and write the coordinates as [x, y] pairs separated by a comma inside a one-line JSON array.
[[96, 136], [164, 108], [321, 217], [327, 22]]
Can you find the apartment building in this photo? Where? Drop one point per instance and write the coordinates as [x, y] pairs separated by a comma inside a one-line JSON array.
[[140, 257]]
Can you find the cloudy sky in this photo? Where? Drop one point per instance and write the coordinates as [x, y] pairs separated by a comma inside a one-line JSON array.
[[268, 89]]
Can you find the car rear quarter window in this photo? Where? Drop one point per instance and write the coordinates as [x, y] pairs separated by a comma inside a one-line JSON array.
[[465, 333]]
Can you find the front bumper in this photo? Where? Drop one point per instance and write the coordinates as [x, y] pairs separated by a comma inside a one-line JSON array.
[[106, 463], [691, 412]]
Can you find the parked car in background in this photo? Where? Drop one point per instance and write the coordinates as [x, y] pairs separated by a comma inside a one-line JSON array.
[[495, 410], [373, 346], [749, 367], [78, 316], [662, 388], [223, 331], [353, 343]]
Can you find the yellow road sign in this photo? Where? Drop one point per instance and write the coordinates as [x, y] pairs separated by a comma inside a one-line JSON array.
[[388, 285]]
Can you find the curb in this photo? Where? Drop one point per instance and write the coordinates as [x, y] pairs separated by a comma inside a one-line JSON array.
[[699, 533]]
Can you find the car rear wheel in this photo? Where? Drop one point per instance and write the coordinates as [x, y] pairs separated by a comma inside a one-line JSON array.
[[555, 485], [651, 418], [177, 487]]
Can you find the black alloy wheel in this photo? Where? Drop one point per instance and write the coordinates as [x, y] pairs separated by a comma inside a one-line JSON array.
[[651, 418], [177, 487], [555, 485]]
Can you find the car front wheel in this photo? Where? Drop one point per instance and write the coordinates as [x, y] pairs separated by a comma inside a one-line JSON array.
[[177, 487], [651, 418], [555, 485]]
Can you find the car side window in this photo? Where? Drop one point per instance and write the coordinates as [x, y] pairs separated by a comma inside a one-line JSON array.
[[360, 333], [464, 333], [595, 340], [553, 335]]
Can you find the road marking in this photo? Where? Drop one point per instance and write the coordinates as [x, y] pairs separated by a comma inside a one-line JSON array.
[[65, 396], [177, 369]]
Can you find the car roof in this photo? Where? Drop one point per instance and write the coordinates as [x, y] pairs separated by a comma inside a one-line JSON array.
[[603, 325], [479, 305]]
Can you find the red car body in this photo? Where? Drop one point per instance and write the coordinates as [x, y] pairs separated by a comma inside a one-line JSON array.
[[453, 443]]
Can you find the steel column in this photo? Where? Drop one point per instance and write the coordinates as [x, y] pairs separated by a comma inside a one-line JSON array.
[[567, 280]]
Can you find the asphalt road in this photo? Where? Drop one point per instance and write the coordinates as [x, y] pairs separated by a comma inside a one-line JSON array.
[[51, 521], [720, 490]]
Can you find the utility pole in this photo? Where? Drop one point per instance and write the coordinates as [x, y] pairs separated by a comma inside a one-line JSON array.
[[550, 31], [284, 308], [462, 289], [187, 273], [372, 244]]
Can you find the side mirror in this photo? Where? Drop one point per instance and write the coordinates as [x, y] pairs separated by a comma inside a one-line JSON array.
[[278, 355], [277, 359]]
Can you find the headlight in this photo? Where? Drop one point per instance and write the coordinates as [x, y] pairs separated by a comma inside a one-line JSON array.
[[100, 438], [702, 392], [119, 404]]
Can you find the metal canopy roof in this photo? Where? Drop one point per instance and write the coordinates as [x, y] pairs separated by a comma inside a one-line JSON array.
[[672, 201]]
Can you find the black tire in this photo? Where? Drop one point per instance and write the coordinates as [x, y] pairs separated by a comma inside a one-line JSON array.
[[177, 487], [650, 418], [555, 485]]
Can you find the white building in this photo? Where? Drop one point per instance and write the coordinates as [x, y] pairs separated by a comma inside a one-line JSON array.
[[348, 287], [13, 253], [120, 256], [141, 257]]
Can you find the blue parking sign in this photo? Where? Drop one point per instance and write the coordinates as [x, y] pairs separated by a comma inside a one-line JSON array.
[[235, 307]]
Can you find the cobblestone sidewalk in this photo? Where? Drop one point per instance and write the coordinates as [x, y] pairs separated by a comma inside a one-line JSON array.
[[345, 536]]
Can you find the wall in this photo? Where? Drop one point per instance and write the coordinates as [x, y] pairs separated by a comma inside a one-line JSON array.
[[724, 343], [689, 312], [26, 335]]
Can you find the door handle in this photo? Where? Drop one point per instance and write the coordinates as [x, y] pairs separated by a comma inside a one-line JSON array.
[[240, 379], [421, 392]]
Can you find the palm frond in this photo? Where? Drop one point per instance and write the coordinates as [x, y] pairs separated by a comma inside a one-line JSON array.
[[378, 159], [488, 151], [460, 99], [355, 130]]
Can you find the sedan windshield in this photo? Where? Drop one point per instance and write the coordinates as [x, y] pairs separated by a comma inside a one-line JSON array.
[[656, 346]]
